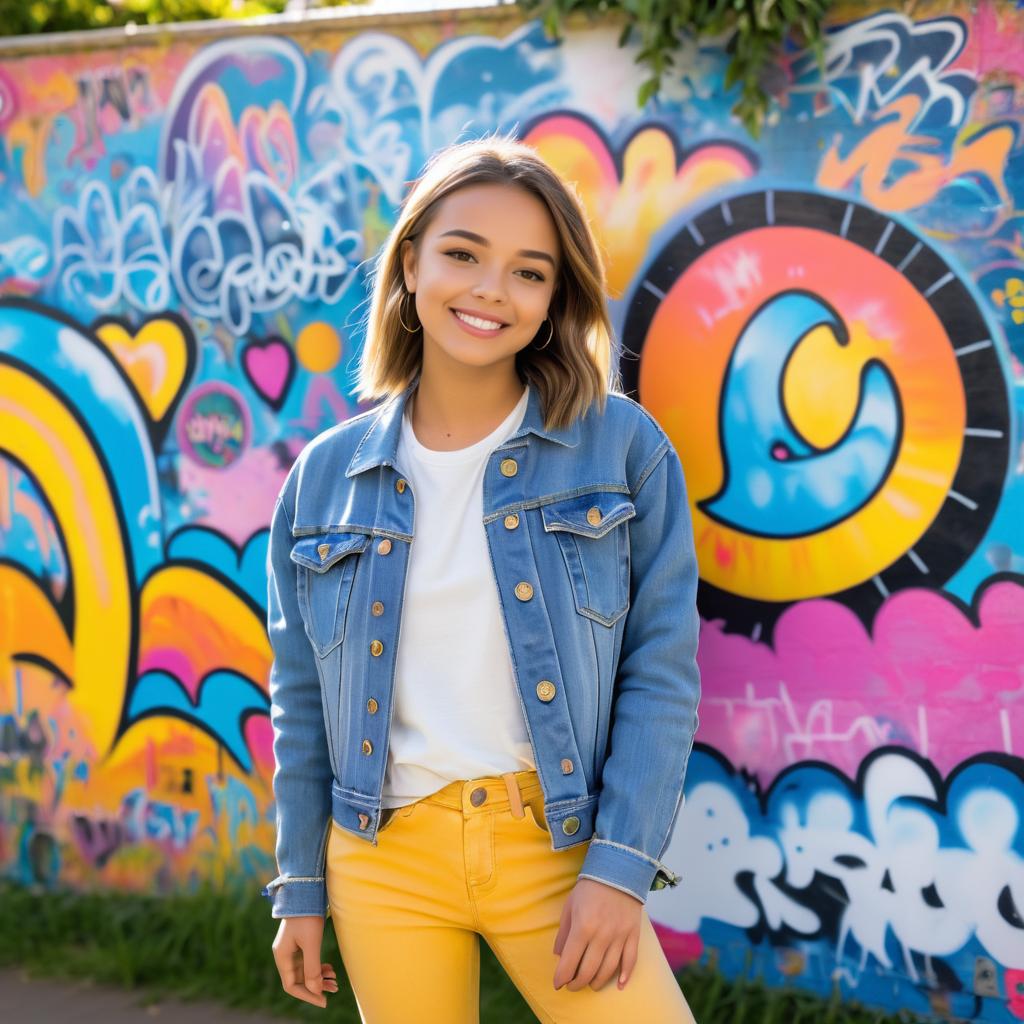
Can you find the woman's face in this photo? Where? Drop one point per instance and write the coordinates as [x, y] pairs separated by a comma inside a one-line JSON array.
[[483, 273]]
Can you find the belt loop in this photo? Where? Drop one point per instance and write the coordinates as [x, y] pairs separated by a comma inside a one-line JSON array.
[[514, 796]]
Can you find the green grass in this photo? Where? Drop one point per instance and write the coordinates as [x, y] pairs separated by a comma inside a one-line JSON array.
[[215, 945]]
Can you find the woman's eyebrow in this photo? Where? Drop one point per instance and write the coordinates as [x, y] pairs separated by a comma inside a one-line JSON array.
[[472, 236]]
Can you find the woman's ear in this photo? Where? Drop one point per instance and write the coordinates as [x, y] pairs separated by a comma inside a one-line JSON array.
[[409, 265]]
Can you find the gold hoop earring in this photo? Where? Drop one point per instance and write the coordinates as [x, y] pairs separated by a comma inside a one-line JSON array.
[[551, 334], [411, 330]]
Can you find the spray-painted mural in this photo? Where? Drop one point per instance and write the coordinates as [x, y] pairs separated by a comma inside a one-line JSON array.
[[828, 321]]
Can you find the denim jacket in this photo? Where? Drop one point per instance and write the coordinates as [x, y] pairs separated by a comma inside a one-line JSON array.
[[591, 545]]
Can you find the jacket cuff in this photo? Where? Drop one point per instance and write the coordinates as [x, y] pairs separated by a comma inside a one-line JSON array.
[[624, 868], [297, 897]]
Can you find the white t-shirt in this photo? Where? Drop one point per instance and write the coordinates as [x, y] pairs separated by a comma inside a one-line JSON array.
[[457, 712]]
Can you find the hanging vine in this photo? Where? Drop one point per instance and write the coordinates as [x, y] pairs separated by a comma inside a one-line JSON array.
[[757, 27]]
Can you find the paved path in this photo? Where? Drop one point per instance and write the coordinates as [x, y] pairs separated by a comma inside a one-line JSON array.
[[29, 1000]]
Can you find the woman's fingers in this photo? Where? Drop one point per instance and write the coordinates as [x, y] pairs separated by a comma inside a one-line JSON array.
[[573, 949], [297, 955], [312, 976], [564, 927], [293, 980], [590, 963], [609, 965], [291, 967], [629, 957]]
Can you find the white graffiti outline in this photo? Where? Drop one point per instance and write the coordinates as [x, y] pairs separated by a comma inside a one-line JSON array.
[[877, 85], [94, 242], [907, 874], [376, 78]]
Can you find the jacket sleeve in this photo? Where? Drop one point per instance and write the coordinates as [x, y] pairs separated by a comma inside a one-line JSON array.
[[657, 681], [302, 773]]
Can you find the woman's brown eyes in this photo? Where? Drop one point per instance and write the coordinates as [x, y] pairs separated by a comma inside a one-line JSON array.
[[458, 254]]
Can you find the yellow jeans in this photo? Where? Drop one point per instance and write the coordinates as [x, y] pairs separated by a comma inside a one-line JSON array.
[[473, 859]]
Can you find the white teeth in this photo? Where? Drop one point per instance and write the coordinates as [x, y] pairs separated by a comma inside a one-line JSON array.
[[475, 321]]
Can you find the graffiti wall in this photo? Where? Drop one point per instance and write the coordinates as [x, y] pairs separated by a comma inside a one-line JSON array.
[[828, 321]]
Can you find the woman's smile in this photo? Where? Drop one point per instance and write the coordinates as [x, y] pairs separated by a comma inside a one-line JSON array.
[[481, 327]]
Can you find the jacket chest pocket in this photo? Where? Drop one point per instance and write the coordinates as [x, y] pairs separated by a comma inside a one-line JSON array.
[[327, 567], [591, 531]]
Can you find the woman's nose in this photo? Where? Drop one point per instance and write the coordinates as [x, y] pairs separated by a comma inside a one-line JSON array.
[[489, 287]]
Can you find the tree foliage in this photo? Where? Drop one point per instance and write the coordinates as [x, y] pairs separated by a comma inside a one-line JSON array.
[[27, 17], [757, 29]]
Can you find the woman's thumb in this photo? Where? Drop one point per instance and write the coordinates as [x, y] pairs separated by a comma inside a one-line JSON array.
[[311, 970]]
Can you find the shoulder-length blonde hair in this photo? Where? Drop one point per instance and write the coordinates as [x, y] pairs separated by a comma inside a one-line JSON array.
[[575, 368]]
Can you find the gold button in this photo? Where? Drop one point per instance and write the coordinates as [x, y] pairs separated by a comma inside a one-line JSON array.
[[571, 825], [371, 706], [511, 521], [593, 516], [377, 608], [364, 822], [323, 549], [400, 485], [384, 547], [376, 648], [567, 767], [509, 467], [367, 747], [524, 591], [546, 690]]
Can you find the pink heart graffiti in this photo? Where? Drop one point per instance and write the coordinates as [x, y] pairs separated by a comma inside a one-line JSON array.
[[269, 365]]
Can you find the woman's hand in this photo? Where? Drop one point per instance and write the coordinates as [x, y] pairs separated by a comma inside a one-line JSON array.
[[600, 928], [297, 955]]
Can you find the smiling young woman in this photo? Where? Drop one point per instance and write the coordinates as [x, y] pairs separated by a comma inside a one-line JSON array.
[[482, 609], [483, 269]]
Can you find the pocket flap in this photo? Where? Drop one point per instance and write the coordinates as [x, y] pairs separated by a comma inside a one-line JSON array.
[[320, 551], [591, 515]]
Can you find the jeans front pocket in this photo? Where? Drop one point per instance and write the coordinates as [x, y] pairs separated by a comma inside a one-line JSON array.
[[534, 808], [327, 565]]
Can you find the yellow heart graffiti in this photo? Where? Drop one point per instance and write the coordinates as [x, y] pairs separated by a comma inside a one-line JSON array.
[[155, 360]]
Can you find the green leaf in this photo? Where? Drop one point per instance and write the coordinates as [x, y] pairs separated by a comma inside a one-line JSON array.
[[647, 90], [732, 73]]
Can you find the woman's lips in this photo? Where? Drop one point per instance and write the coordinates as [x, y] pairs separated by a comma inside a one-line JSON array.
[[478, 332]]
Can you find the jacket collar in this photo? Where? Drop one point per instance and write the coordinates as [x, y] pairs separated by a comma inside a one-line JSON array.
[[379, 445]]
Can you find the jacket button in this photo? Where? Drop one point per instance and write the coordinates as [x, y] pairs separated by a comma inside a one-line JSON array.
[[593, 516], [400, 485], [509, 467], [376, 648], [524, 591], [323, 549], [371, 706], [511, 521], [377, 608], [571, 825], [384, 547], [368, 749], [546, 690], [567, 766]]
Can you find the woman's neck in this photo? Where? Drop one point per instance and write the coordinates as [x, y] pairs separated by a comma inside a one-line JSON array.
[[447, 416]]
